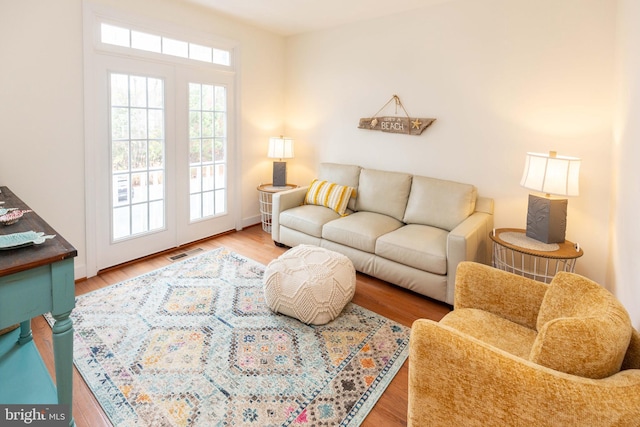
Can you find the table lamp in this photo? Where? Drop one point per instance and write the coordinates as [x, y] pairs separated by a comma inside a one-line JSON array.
[[549, 174], [280, 148]]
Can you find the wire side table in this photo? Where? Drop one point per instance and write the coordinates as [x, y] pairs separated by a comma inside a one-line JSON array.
[[266, 196], [516, 253]]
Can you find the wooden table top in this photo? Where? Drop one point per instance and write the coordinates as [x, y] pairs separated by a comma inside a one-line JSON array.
[[566, 250], [270, 188], [21, 259]]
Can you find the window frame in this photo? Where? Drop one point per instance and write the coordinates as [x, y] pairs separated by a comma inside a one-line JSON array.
[[100, 15]]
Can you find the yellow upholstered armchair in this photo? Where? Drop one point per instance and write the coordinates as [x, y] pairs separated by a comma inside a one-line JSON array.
[[517, 352]]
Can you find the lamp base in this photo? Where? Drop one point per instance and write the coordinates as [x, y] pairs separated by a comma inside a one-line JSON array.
[[547, 219], [279, 174]]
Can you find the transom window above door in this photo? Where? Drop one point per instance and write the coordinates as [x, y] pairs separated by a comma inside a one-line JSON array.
[[125, 37]]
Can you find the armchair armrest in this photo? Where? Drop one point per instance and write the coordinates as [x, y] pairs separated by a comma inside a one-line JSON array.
[[455, 379], [282, 201], [504, 294], [469, 241]]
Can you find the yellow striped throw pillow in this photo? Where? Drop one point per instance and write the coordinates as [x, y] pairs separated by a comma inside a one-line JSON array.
[[329, 194]]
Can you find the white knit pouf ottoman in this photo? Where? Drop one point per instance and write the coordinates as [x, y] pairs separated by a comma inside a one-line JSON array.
[[309, 283]]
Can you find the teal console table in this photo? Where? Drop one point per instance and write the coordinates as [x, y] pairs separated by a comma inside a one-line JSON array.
[[34, 280]]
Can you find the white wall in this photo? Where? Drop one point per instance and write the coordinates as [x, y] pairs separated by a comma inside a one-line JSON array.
[[41, 146], [41, 103], [626, 231], [502, 77]]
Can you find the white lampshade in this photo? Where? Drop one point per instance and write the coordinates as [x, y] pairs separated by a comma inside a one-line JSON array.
[[551, 174], [280, 148]]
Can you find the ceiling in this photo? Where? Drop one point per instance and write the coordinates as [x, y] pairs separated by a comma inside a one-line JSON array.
[[290, 17]]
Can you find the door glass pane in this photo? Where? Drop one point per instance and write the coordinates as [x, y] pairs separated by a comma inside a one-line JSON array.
[[156, 185], [137, 155], [156, 93], [195, 207], [119, 123], [139, 191], [207, 178], [121, 222], [220, 150], [221, 177], [156, 154], [119, 156], [156, 214], [207, 150], [221, 201], [195, 182], [139, 218], [119, 90], [207, 204]]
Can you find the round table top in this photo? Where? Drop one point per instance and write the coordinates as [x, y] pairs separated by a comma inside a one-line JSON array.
[[270, 188], [565, 250]]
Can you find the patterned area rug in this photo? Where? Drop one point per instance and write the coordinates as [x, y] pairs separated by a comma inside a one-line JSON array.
[[193, 344]]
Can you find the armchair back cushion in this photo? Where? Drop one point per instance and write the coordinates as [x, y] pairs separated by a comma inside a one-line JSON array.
[[439, 203], [582, 329], [383, 192]]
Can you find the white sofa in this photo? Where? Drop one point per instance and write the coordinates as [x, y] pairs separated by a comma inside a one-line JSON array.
[[409, 230]]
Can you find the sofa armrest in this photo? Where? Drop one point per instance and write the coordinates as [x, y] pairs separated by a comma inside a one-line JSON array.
[[504, 294], [469, 241], [282, 201], [455, 379]]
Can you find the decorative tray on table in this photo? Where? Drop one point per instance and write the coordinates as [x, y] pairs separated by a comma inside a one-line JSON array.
[[19, 240]]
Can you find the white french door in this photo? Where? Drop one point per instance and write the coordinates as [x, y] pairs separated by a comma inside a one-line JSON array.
[[205, 187], [161, 156]]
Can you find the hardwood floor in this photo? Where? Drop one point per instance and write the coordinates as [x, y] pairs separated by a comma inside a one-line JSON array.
[[390, 301]]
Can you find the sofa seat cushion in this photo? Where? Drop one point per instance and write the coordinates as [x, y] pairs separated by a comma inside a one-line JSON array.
[[360, 230], [418, 246], [493, 330], [308, 219]]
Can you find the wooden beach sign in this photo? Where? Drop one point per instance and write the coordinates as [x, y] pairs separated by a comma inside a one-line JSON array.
[[406, 125], [396, 124]]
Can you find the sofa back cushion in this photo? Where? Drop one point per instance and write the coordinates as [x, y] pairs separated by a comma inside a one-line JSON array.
[[582, 328], [439, 203], [347, 175], [383, 192]]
